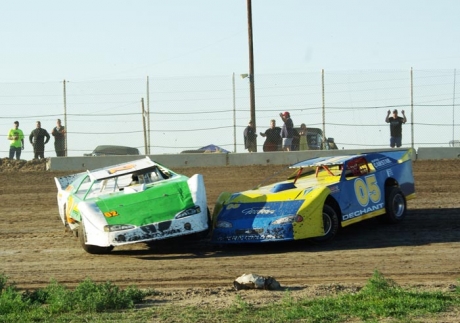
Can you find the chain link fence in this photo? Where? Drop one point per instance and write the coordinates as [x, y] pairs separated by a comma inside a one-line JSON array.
[[167, 115]]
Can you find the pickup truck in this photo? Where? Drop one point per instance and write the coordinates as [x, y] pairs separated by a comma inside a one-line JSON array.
[[315, 140]]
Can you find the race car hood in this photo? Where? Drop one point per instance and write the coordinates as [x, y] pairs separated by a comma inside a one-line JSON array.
[[153, 205], [258, 211]]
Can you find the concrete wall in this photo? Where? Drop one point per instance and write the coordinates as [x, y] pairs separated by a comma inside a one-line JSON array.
[[79, 164], [234, 159], [438, 153]]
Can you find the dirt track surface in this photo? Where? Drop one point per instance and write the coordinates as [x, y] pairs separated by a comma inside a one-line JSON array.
[[423, 251]]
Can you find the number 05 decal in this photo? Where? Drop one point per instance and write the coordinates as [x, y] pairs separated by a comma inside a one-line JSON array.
[[366, 190]]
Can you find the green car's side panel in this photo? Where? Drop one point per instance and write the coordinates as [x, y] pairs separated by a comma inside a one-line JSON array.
[[133, 209]]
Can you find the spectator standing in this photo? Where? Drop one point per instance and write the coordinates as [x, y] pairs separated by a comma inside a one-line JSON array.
[[272, 137], [250, 141], [37, 140], [16, 138], [58, 133], [395, 127], [303, 143], [287, 132]]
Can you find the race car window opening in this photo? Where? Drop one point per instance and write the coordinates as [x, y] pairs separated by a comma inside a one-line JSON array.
[[298, 174], [83, 188], [319, 168], [156, 175], [102, 187], [357, 167], [163, 172], [304, 171]]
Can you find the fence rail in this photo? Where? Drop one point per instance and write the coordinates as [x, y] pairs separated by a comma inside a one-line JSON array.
[[185, 113]]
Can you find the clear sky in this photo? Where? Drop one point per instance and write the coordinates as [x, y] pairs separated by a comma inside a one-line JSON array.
[[84, 40]]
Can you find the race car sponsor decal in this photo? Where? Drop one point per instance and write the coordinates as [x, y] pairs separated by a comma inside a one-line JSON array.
[[145, 235], [110, 214], [307, 190], [121, 168], [233, 206], [379, 163], [71, 209], [334, 189], [252, 237], [273, 233], [258, 210], [362, 211]]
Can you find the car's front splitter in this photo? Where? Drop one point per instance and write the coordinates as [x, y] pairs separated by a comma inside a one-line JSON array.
[[161, 230], [270, 233]]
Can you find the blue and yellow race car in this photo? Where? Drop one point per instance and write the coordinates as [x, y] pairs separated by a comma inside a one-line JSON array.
[[322, 195]]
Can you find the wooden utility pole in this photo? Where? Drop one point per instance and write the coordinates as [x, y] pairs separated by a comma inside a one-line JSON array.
[[251, 69]]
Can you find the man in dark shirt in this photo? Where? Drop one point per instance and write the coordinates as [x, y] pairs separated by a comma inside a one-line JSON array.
[[250, 137], [37, 140], [287, 132], [395, 127], [58, 133], [273, 137]]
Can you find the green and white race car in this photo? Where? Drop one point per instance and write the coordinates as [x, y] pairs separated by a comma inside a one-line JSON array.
[[137, 201]]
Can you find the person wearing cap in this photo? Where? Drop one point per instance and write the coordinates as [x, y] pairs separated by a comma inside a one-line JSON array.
[[250, 141], [272, 137], [287, 132], [16, 138], [37, 140], [395, 127]]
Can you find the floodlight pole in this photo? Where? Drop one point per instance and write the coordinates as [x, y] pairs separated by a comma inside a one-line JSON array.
[[143, 125], [251, 68]]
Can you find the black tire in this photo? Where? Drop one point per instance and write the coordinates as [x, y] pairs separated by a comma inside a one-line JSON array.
[[331, 225], [395, 205], [92, 249]]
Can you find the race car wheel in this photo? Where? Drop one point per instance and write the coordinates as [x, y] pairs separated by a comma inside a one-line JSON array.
[[395, 205], [90, 248], [331, 224]]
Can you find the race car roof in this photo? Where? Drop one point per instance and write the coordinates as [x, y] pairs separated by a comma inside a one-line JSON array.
[[319, 161], [122, 169], [379, 159]]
